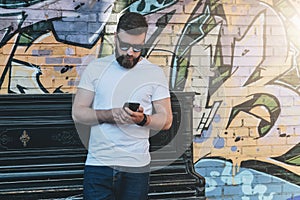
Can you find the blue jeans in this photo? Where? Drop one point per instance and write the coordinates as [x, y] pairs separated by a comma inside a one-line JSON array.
[[115, 183]]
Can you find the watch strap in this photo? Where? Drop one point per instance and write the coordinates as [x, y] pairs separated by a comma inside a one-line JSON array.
[[144, 121]]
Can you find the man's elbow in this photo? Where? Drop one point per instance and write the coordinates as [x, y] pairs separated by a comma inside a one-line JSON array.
[[75, 116], [168, 123]]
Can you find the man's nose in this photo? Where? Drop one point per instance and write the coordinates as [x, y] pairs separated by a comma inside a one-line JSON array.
[[130, 51]]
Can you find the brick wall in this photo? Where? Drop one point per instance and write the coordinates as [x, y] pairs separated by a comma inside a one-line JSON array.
[[239, 57]]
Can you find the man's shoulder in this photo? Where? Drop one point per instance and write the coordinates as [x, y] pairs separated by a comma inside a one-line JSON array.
[[103, 61], [145, 63], [152, 71], [97, 66]]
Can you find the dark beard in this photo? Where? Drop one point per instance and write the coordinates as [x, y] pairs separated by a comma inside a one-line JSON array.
[[125, 62]]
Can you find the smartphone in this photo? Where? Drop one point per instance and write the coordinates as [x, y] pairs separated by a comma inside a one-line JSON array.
[[134, 106]]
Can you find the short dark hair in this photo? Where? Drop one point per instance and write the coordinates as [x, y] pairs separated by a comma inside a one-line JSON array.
[[133, 23]]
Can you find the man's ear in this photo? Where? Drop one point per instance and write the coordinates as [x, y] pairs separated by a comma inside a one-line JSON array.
[[115, 37]]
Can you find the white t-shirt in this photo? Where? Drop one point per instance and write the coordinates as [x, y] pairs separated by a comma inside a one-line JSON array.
[[122, 145]]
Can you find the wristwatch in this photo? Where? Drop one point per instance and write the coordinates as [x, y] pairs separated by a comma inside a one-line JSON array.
[[143, 122]]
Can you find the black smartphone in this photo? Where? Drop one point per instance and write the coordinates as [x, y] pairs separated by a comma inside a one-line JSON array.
[[132, 106]]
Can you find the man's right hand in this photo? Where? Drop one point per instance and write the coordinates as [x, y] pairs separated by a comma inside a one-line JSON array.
[[121, 116]]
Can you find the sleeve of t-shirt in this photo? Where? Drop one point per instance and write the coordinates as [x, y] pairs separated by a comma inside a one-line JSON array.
[[162, 89], [88, 78]]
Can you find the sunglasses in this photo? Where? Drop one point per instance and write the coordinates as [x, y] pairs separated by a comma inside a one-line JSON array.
[[125, 46]]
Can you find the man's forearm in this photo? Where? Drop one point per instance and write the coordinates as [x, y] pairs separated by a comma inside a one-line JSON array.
[[89, 116], [104, 116], [85, 116], [159, 122]]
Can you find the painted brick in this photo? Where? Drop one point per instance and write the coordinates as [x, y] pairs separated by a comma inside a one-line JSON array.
[[54, 60], [255, 150], [231, 190], [72, 60], [41, 52]]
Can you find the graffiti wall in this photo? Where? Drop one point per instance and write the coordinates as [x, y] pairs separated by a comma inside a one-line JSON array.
[[240, 57]]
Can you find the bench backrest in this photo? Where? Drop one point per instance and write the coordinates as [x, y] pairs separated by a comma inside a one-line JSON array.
[[42, 155]]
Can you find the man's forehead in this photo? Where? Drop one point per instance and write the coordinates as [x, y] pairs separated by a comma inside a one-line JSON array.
[[135, 38], [136, 31]]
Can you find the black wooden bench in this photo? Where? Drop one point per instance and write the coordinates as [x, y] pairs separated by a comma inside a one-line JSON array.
[[42, 156]]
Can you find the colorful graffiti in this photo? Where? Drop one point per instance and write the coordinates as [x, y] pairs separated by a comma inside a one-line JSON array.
[[240, 58], [43, 43]]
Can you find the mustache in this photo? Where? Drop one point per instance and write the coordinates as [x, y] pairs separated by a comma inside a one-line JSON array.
[[128, 56]]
